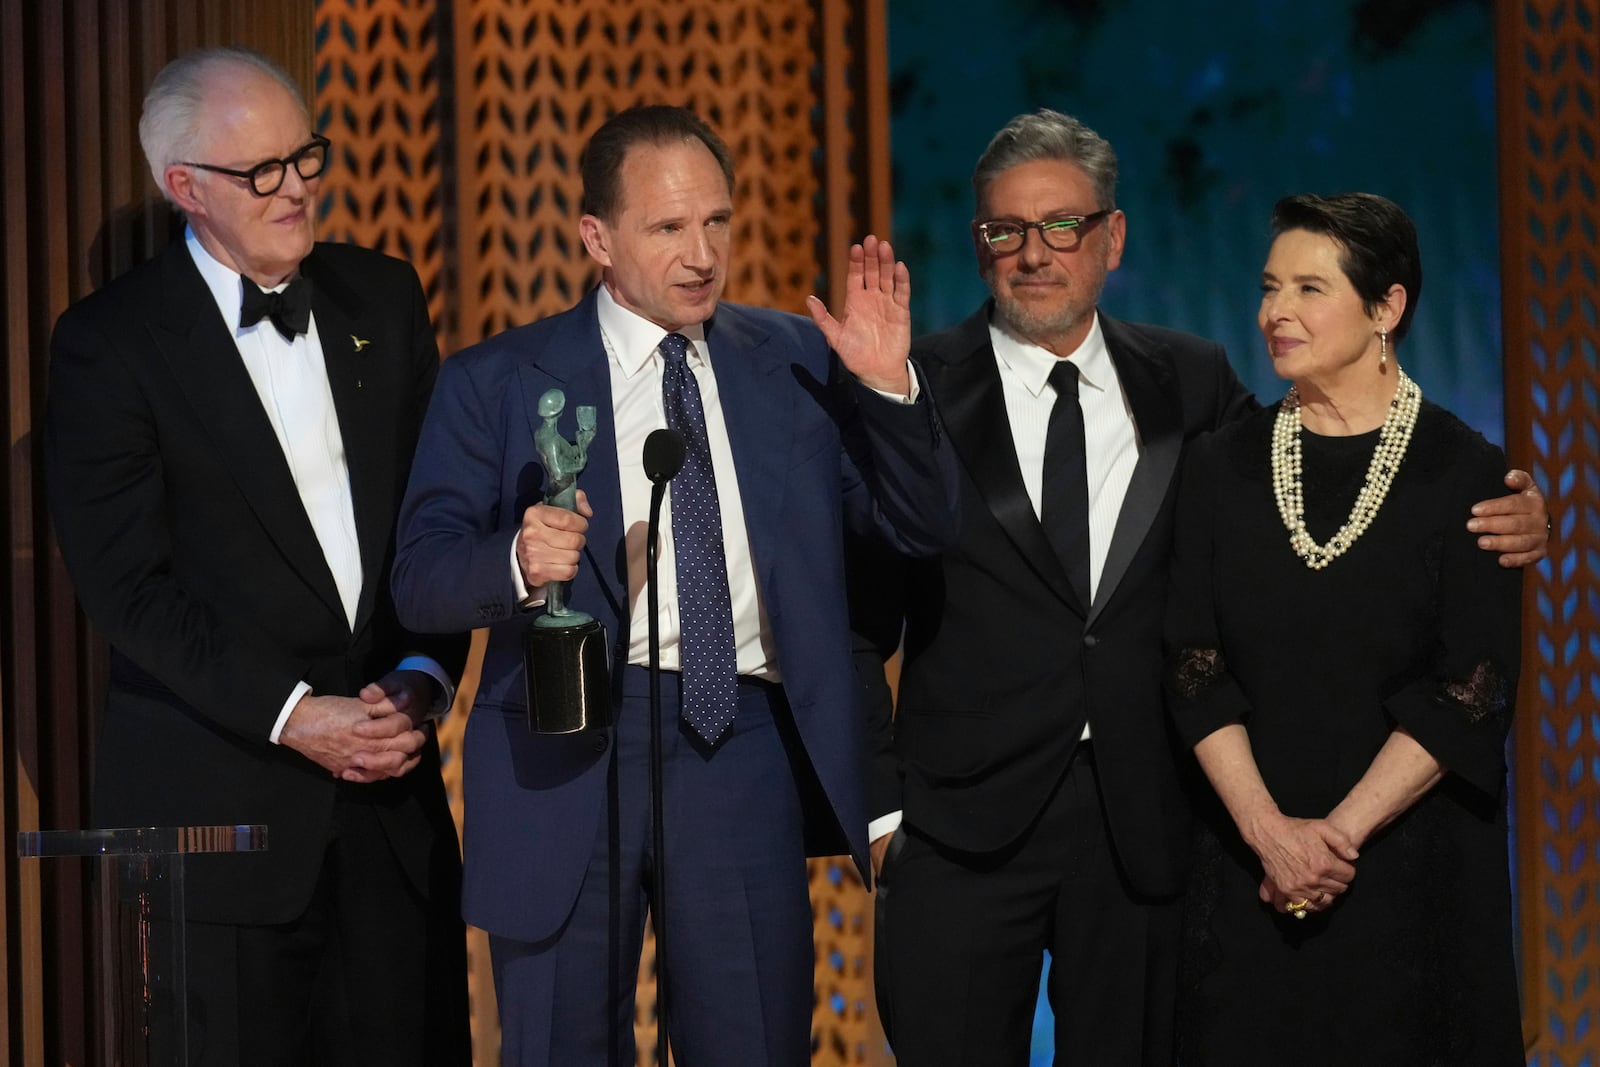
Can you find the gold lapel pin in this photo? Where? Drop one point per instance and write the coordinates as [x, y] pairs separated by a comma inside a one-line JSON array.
[[358, 342]]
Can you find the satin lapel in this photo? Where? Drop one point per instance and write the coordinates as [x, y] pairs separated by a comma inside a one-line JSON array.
[[199, 349], [757, 411], [972, 404], [343, 316], [574, 361], [1150, 385]]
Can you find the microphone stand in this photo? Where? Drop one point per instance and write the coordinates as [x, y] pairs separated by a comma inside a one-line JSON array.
[[663, 451]]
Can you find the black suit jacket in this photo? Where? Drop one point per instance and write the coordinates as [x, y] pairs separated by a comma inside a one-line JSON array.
[[192, 554], [1004, 664]]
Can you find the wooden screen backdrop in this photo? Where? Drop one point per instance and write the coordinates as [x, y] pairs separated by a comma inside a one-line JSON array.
[[458, 129], [1550, 246], [458, 123]]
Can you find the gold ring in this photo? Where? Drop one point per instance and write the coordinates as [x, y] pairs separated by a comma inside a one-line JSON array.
[[1297, 908]]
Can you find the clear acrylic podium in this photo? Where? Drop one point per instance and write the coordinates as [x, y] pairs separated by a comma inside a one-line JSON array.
[[142, 979]]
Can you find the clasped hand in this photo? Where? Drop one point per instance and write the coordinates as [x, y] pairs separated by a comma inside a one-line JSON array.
[[374, 735], [1302, 860]]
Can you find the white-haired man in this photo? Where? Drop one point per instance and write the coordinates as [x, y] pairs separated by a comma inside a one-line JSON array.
[[228, 431]]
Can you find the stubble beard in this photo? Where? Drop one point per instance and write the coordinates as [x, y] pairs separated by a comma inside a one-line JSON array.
[[1040, 326]]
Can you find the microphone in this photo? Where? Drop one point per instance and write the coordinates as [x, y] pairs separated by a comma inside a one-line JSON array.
[[663, 455], [663, 458]]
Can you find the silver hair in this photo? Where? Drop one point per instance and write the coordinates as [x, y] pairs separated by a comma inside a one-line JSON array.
[[169, 128], [1049, 135]]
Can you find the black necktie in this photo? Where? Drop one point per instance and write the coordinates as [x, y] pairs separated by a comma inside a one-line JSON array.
[[289, 310], [1065, 507], [708, 659]]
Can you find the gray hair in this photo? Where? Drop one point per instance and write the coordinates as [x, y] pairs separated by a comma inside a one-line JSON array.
[[1049, 135], [169, 129]]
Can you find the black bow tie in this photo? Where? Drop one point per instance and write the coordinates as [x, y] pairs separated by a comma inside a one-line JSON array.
[[290, 310]]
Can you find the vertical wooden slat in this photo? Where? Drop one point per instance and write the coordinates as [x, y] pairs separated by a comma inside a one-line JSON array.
[[1547, 95], [75, 209], [20, 1033]]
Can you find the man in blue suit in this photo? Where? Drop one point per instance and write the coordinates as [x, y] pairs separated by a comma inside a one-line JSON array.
[[796, 430]]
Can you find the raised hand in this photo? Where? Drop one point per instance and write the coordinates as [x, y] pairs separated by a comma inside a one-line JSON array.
[[873, 337]]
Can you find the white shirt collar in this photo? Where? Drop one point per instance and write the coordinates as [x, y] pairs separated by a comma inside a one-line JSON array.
[[1032, 364], [633, 338], [223, 281]]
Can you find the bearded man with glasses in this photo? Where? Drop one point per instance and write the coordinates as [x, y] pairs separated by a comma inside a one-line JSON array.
[[228, 431], [1028, 794]]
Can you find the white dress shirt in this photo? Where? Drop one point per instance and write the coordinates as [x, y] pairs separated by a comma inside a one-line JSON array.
[[634, 359], [1110, 437], [1111, 441], [292, 381]]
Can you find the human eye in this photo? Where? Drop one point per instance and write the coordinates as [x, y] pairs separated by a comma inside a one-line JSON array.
[[1071, 222], [1001, 234]]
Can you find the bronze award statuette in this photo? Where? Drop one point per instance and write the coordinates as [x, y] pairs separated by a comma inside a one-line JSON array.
[[565, 656]]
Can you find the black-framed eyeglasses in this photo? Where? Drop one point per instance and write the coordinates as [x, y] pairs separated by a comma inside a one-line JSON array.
[[1062, 233], [266, 177]]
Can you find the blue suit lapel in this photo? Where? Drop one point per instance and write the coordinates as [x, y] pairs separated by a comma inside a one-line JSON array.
[[574, 361], [756, 412]]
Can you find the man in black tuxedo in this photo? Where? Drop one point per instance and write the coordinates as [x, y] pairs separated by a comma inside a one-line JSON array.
[[1040, 800], [228, 432]]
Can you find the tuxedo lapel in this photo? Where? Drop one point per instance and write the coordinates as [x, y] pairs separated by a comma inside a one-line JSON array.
[[966, 385], [353, 351], [574, 361], [200, 350], [1151, 387]]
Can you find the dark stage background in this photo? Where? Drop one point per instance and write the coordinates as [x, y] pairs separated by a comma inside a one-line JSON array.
[[1216, 110]]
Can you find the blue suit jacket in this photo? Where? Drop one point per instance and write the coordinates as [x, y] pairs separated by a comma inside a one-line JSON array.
[[812, 451]]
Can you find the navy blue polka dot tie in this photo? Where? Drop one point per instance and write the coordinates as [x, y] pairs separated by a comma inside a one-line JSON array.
[[706, 652]]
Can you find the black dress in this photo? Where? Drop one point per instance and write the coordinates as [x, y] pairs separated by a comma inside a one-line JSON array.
[[1414, 626]]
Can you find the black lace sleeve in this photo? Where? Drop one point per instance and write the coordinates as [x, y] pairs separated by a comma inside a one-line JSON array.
[[1460, 711], [1202, 695]]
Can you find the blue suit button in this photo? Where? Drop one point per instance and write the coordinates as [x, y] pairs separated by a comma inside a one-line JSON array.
[[600, 742]]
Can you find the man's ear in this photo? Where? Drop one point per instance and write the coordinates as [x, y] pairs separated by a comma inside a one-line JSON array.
[[182, 187], [596, 238]]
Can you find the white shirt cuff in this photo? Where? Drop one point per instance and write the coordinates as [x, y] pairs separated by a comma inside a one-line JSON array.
[[525, 599], [884, 824], [301, 689], [446, 695], [901, 398]]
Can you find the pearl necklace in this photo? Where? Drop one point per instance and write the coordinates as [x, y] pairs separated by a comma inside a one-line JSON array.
[[1286, 486]]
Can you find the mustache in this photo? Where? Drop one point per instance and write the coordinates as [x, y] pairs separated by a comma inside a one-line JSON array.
[[1047, 277]]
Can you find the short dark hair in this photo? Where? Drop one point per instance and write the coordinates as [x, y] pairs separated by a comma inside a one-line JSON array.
[[652, 124], [1377, 244]]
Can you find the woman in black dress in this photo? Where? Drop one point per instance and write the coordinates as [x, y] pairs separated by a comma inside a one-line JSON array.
[[1344, 660]]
